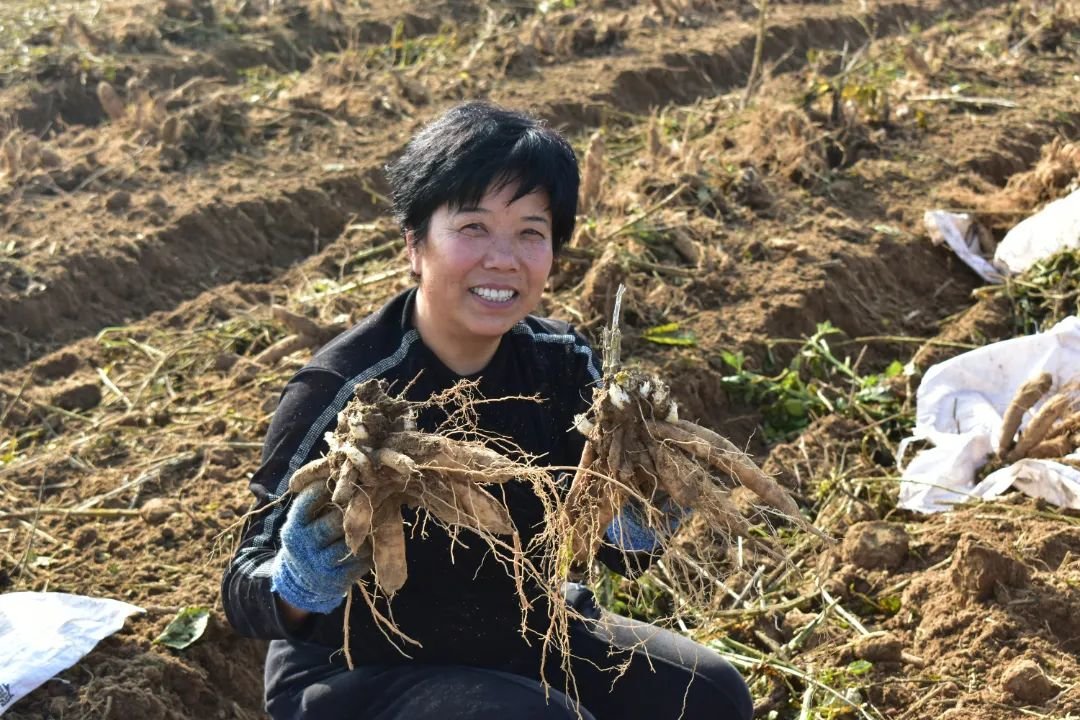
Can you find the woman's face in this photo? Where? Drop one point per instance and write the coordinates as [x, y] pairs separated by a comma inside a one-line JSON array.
[[483, 268]]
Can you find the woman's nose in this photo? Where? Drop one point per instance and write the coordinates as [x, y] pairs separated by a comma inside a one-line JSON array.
[[501, 254]]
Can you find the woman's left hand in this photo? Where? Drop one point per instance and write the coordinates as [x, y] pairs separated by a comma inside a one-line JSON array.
[[631, 531]]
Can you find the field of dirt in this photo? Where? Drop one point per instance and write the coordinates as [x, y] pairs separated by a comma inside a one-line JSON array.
[[171, 169]]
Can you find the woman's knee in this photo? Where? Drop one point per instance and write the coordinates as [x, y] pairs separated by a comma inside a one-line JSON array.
[[713, 686], [435, 692], [725, 686], [516, 696]]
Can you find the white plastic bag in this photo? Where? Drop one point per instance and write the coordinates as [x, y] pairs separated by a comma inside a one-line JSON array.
[[42, 634], [960, 407], [1054, 228], [955, 231]]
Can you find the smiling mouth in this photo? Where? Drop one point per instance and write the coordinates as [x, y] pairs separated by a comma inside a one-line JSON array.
[[492, 295]]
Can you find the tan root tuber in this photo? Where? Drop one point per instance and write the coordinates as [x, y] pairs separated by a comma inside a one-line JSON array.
[[111, 102], [379, 463], [1051, 433], [305, 333], [638, 448], [1026, 396]]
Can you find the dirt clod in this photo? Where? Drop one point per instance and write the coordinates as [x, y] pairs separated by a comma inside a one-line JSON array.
[[223, 456], [1026, 681], [797, 621], [224, 362], [79, 395], [879, 648], [876, 544], [86, 537], [118, 201], [56, 366], [155, 511], [977, 569]]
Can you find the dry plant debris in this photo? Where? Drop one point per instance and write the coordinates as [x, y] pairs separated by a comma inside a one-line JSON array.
[[593, 176]]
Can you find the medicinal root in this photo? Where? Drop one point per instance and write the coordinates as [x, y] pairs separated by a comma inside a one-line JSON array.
[[639, 450], [378, 463], [1052, 433]]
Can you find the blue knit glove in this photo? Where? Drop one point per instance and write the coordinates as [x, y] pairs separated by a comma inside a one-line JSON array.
[[630, 532], [314, 570]]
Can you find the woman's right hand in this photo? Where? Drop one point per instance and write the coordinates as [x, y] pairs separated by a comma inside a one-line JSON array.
[[630, 531], [313, 569]]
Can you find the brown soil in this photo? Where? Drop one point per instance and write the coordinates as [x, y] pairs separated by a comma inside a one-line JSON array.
[[140, 253], [979, 589]]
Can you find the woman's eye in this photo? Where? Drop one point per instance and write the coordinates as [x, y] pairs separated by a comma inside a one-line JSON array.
[[473, 227]]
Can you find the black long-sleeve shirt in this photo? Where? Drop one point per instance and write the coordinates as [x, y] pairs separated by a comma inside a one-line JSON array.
[[459, 602]]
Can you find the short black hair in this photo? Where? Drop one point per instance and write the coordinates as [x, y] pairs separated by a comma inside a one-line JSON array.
[[474, 147]]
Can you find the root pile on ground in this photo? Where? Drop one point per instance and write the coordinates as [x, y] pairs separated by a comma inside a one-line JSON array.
[[305, 333], [1053, 433], [378, 462], [639, 451], [194, 120]]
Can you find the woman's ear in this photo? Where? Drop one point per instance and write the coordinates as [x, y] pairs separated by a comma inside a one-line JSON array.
[[414, 252]]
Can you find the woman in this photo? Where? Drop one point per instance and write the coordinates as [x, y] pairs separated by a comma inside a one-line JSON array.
[[485, 197]]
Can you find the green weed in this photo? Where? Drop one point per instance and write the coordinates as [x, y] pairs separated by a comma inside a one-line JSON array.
[[864, 84], [403, 52], [266, 83], [22, 21], [1044, 295], [641, 599], [815, 383]]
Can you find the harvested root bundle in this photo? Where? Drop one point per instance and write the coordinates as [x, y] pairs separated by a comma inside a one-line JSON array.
[[378, 462], [1052, 433], [638, 449], [306, 333]]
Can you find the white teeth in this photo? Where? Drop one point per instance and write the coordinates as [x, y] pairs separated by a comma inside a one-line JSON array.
[[493, 295]]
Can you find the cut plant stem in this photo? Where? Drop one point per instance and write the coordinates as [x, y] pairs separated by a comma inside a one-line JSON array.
[[70, 512]]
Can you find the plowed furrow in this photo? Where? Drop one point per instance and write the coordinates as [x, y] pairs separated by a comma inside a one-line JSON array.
[[215, 244], [718, 59], [94, 287], [63, 92], [1018, 145]]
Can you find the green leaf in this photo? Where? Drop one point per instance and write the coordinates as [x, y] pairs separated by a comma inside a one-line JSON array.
[[670, 334], [685, 341], [795, 408], [9, 450], [187, 627], [895, 368], [860, 667], [664, 329], [890, 604], [733, 360]]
